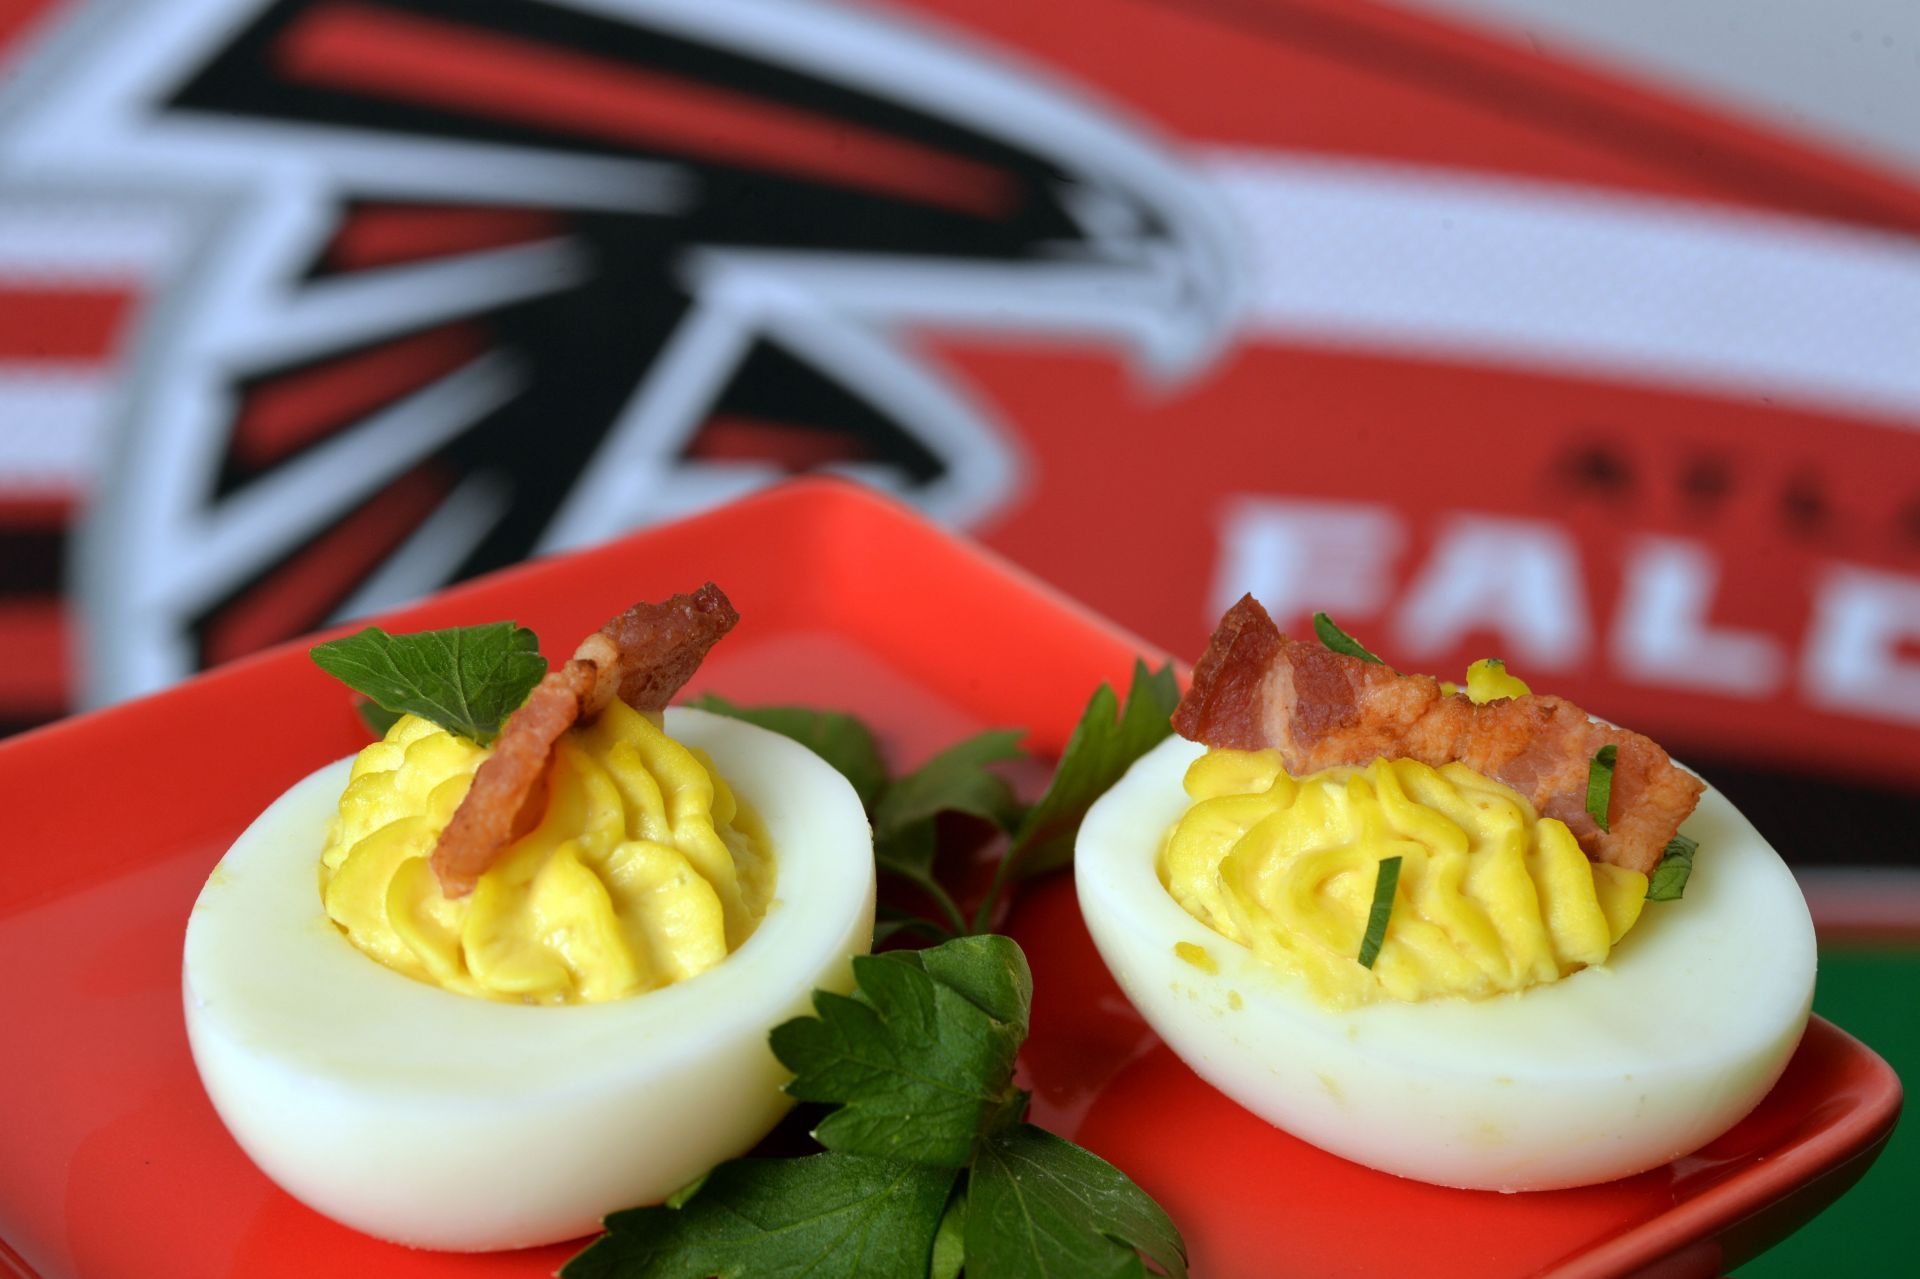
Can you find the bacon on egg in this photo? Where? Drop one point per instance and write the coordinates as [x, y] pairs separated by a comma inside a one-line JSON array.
[[1255, 688], [643, 656]]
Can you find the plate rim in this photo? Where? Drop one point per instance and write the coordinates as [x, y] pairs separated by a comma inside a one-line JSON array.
[[1848, 1144]]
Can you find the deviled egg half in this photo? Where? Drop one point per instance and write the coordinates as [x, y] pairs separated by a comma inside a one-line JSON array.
[[586, 1031], [1430, 947]]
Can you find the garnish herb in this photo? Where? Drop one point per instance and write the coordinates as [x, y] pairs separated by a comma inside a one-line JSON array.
[[1384, 884], [823, 1215], [1669, 879], [466, 679], [1600, 783], [1108, 739], [1105, 743], [919, 1061], [841, 740], [1038, 1205], [929, 1167], [904, 810], [1339, 641], [954, 781]]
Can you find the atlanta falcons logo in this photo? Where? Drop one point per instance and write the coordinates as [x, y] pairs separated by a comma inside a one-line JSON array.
[[472, 282]]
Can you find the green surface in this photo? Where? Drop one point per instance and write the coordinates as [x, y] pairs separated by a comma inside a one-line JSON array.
[[1873, 994]]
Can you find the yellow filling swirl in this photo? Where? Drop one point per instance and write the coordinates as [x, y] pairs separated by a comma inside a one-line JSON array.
[[644, 870], [1491, 897]]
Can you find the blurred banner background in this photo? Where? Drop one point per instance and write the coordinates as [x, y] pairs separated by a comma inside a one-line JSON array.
[[308, 307]]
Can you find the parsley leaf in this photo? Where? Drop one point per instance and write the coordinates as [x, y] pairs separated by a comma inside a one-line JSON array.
[[1385, 881], [1041, 1206], [838, 738], [1105, 743], [930, 1172], [823, 1216], [1669, 879], [1600, 783], [466, 679], [1341, 642], [920, 1058], [954, 781], [904, 847], [891, 921]]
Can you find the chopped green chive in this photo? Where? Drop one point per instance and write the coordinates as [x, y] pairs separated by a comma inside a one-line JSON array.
[[1600, 783], [1669, 878], [1383, 888], [1339, 641]]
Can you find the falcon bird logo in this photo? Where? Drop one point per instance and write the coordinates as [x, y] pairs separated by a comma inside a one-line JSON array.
[[470, 283]]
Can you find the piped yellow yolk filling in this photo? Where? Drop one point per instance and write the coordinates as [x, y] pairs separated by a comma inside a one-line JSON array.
[[644, 869], [1491, 897]]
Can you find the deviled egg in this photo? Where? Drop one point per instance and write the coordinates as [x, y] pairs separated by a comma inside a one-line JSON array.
[[1411, 963], [1610, 1070], [583, 1029]]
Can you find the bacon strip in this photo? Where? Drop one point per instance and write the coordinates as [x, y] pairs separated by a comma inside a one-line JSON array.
[[1255, 689], [643, 656]]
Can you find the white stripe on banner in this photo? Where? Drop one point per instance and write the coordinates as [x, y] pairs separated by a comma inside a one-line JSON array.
[[1390, 258], [72, 240], [1536, 274], [52, 427]]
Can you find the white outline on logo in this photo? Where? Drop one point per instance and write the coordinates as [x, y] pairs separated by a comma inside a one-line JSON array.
[[1152, 274]]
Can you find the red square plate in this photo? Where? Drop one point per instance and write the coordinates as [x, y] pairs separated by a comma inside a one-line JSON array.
[[112, 1163]]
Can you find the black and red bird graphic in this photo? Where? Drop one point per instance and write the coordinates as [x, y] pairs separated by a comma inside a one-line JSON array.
[[474, 282]]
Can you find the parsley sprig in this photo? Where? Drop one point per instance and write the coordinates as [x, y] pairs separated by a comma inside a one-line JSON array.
[[906, 810], [1105, 743], [823, 1215], [466, 679], [928, 1167], [919, 1059]]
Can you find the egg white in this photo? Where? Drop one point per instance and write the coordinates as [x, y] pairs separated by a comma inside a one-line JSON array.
[[444, 1121], [1608, 1072]]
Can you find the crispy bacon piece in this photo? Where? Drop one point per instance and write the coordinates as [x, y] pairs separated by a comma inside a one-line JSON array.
[[642, 656], [1255, 688]]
